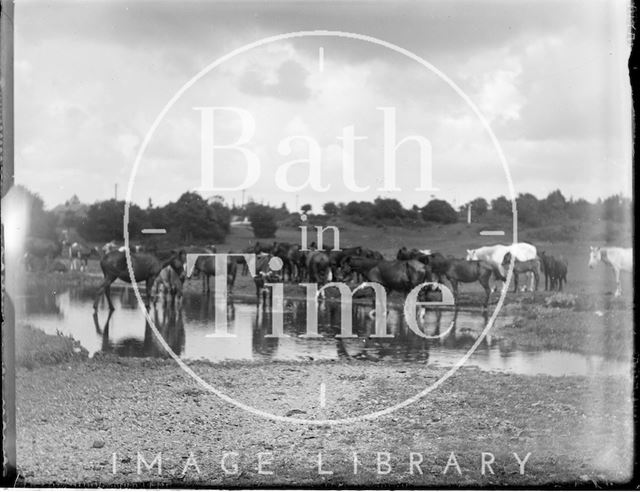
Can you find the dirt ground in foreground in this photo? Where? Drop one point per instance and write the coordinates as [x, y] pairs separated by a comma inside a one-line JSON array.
[[73, 416]]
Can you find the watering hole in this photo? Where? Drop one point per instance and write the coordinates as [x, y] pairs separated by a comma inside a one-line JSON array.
[[190, 332]]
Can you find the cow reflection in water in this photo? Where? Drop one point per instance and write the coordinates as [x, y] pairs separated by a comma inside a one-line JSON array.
[[170, 324]]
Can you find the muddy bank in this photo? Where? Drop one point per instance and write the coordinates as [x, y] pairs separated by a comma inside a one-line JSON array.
[[73, 416], [608, 333], [35, 348]]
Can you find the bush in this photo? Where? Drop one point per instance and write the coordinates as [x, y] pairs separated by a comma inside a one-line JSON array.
[[35, 348], [439, 211], [360, 209], [330, 208], [263, 221], [388, 208], [501, 206]]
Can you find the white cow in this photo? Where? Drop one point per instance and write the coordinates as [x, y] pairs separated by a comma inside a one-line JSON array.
[[495, 254], [620, 259]]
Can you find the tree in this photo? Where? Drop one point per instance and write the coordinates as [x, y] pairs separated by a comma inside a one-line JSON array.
[[192, 218], [555, 201], [388, 208], [501, 205], [40, 223], [262, 220], [554, 206], [479, 207], [616, 208], [360, 209], [330, 208], [528, 209], [105, 221], [579, 209], [71, 214], [306, 208], [439, 211]]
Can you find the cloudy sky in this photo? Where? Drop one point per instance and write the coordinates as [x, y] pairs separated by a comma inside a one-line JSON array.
[[550, 77]]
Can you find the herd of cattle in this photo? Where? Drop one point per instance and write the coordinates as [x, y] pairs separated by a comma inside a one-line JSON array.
[[164, 272]]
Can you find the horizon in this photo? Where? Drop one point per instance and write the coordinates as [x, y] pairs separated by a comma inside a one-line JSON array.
[[320, 211]]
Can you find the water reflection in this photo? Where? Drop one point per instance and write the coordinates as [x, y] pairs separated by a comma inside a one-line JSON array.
[[190, 331], [169, 322]]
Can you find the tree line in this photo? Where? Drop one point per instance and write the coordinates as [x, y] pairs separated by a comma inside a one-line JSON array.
[[193, 220], [532, 212]]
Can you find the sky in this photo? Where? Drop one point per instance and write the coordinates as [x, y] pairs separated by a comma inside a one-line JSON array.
[[549, 77]]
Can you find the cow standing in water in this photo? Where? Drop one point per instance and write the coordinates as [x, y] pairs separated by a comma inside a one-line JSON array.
[[619, 259]]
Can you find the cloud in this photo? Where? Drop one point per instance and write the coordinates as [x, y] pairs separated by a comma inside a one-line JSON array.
[[550, 77], [290, 82]]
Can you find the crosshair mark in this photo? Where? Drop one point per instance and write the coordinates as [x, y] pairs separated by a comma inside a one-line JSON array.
[[321, 59], [323, 390], [154, 231]]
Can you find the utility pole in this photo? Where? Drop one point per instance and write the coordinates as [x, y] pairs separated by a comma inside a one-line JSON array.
[[469, 213], [116, 192]]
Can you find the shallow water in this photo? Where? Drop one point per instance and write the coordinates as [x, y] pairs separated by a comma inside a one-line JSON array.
[[192, 334]]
